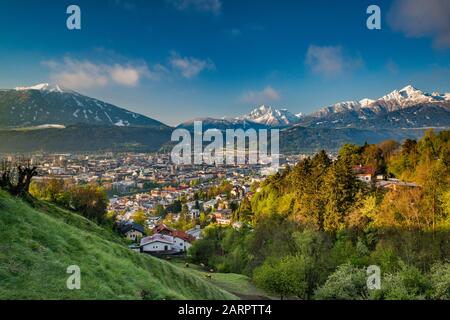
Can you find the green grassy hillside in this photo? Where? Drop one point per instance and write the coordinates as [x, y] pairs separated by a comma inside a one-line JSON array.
[[38, 243], [238, 284]]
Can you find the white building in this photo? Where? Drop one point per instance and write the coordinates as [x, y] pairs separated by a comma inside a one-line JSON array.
[[179, 241], [157, 243]]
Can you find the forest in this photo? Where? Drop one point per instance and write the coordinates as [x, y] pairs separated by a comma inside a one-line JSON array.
[[312, 230]]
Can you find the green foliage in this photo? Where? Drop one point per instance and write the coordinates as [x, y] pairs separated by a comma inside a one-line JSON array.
[[88, 200], [346, 283], [409, 283], [440, 281], [286, 277], [316, 228], [39, 243]]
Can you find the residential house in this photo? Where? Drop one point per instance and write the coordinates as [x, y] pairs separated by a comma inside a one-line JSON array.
[[364, 173], [195, 232], [158, 243], [210, 204], [131, 230], [171, 242], [163, 229], [181, 241], [223, 217]]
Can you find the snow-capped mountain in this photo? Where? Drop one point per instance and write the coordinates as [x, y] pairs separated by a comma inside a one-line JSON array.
[[42, 87], [405, 108], [259, 118], [45, 104], [396, 100], [271, 117]]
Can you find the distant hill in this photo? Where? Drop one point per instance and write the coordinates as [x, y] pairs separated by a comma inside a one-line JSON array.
[[44, 104], [300, 139], [223, 124], [79, 138], [38, 244]]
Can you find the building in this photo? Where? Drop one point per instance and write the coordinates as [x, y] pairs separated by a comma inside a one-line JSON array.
[[131, 230], [181, 241], [176, 242], [163, 229], [195, 232], [158, 243], [364, 173]]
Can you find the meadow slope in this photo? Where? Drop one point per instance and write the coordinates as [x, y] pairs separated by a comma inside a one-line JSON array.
[[39, 242]]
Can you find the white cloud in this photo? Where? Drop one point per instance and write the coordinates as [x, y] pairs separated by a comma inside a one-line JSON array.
[[125, 75], [82, 74], [419, 18], [212, 6], [75, 74], [189, 67], [330, 60], [265, 95]]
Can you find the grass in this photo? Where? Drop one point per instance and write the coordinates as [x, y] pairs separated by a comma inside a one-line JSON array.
[[238, 284], [38, 243]]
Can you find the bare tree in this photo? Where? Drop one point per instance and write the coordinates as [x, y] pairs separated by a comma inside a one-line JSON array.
[[16, 177]]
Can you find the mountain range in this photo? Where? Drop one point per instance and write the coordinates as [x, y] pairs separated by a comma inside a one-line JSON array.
[[51, 118], [405, 108]]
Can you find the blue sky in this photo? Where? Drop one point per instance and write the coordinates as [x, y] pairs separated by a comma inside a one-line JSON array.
[[174, 60]]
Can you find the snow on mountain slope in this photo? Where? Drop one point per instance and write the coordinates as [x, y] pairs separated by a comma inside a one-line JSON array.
[[395, 100], [271, 116], [44, 103], [41, 87], [408, 107]]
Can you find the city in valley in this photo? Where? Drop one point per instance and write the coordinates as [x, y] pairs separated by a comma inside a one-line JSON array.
[[147, 191], [151, 184]]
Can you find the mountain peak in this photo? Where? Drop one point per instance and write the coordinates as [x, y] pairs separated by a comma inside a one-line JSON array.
[[409, 88], [270, 116], [41, 87]]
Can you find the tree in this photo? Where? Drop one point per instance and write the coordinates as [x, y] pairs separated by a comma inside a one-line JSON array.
[[275, 278], [433, 176], [244, 212], [406, 284], [389, 147], [160, 211], [140, 217], [52, 189], [340, 189], [440, 281], [16, 178], [400, 208], [351, 153], [346, 283], [89, 201], [373, 156]]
